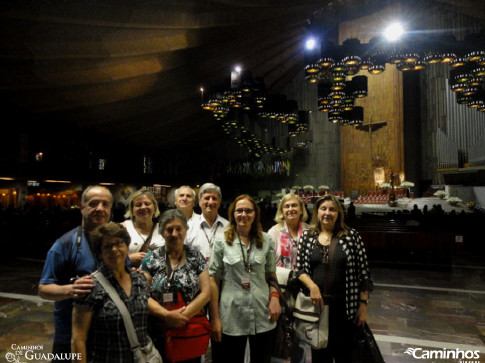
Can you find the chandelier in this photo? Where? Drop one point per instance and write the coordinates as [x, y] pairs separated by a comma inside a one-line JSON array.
[[258, 122], [334, 69]]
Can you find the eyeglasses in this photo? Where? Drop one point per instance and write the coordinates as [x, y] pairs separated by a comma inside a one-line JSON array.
[[109, 246], [242, 210]]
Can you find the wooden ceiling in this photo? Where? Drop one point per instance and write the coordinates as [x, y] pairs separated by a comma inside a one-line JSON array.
[[131, 70]]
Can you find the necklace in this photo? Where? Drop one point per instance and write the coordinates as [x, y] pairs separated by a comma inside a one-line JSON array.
[[168, 265], [323, 251]]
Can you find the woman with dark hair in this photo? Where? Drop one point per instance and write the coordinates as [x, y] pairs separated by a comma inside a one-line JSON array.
[[330, 242], [179, 281], [98, 315], [244, 304]]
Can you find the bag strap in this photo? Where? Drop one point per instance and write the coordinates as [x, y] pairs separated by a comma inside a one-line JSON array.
[[130, 329], [328, 274], [146, 243]]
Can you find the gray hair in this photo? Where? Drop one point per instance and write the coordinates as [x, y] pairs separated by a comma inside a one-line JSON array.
[[209, 188], [184, 186], [86, 191], [170, 215]]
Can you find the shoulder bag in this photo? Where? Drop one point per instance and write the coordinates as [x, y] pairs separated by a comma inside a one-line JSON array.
[[285, 337], [311, 324], [189, 341], [146, 354]]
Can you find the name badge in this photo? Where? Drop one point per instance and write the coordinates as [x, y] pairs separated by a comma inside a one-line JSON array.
[[168, 297], [245, 283]]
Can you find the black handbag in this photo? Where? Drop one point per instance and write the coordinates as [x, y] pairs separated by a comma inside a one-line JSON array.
[[364, 346], [285, 337]]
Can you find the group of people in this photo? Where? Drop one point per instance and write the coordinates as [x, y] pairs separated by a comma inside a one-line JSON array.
[[168, 268]]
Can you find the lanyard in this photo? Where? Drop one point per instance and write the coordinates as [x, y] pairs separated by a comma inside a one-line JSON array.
[[168, 265], [247, 263], [213, 234]]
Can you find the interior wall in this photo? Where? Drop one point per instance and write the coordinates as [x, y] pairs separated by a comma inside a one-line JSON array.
[[363, 151], [319, 164]]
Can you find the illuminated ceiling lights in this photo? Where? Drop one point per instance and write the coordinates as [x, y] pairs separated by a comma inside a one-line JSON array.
[[408, 51], [247, 114]]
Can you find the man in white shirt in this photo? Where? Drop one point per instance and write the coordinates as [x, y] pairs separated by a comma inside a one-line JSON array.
[[209, 223], [185, 201]]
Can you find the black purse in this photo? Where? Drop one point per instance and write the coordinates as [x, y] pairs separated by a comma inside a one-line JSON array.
[[285, 338], [364, 346]]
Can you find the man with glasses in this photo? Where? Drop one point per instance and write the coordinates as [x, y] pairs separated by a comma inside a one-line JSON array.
[[70, 261], [209, 223]]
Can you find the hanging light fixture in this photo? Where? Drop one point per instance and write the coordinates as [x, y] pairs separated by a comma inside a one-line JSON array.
[[291, 115], [419, 65], [327, 52], [403, 66], [359, 86], [292, 130], [338, 86], [302, 124], [352, 53], [458, 62]]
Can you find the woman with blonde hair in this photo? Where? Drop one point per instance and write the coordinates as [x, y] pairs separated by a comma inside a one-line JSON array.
[[142, 225], [290, 218]]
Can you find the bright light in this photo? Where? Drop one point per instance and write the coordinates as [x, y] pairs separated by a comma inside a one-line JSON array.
[[201, 89], [238, 69], [310, 43], [393, 32]]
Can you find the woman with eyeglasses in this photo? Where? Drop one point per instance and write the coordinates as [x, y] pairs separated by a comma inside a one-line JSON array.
[[244, 304], [98, 331], [333, 251]]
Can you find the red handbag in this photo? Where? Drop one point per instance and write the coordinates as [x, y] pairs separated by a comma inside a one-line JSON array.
[[190, 341]]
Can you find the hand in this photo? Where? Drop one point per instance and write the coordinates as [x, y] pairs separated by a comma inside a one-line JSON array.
[[175, 318], [136, 258], [316, 297], [82, 286], [216, 326], [274, 309], [361, 315]]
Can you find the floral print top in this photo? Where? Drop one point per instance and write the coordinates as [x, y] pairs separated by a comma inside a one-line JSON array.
[[185, 278], [286, 247]]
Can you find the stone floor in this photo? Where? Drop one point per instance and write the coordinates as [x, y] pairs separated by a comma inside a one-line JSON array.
[[410, 309]]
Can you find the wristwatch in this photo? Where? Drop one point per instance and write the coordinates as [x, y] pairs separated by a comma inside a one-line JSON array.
[[363, 301]]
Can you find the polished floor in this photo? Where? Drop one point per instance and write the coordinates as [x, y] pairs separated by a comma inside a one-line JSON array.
[[420, 309]]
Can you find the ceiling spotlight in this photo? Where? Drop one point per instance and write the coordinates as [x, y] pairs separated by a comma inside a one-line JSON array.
[[310, 43], [393, 32]]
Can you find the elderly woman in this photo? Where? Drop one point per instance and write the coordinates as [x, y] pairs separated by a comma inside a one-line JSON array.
[[141, 225], [290, 218], [330, 241], [244, 304], [176, 272], [107, 340]]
